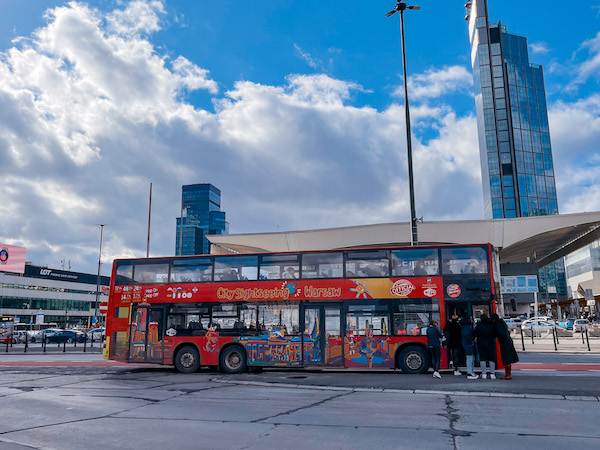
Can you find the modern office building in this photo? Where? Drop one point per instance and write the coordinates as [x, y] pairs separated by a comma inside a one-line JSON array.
[[59, 296], [202, 215], [514, 137], [512, 121]]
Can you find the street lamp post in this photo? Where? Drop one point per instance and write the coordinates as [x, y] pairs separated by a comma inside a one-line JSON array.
[[102, 225], [402, 6]]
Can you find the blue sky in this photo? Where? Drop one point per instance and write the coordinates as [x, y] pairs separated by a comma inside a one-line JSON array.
[[291, 108]]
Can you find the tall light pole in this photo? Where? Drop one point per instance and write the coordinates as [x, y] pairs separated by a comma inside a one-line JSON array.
[[102, 225], [402, 6]]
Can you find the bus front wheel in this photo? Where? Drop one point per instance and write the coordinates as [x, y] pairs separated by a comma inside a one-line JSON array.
[[233, 359], [187, 360], [414, 360]]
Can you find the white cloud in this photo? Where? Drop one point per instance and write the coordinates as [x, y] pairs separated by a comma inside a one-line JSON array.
[[437, 82], [307, 58], [91, 114], [575, 131], [539, 48], [590, 67]]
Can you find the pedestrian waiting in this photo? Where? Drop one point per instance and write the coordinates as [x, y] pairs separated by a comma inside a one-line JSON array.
[[453, 342], [507, 348], [485, 335], [468, 345], [434, 343]]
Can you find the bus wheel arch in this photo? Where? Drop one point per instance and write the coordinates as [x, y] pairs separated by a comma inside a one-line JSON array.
[[187, 358], [233, 359], [413, 358]]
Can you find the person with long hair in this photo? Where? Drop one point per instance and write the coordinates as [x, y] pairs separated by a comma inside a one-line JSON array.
[[507, 348]]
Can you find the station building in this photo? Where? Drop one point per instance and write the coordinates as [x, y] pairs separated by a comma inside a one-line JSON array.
[[59, 296], [524, 245]]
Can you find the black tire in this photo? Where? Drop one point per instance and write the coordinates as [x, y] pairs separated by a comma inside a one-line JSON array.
[[187, 359], [413, 360], [233, 359], [69, 340]]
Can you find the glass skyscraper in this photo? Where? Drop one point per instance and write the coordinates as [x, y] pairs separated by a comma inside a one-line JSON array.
[[514, 138], [202, 215], [512, 121]]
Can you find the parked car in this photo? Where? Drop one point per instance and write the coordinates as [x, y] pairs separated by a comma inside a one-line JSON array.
[[513, 324], [568, 324], [20, 336], [96, 333], [39, 336], [538, 325], [581, 325], [67, 336]]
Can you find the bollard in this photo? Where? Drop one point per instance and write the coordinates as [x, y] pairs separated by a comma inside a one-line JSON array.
[[6, 344], [532, 333], [92, 344], [522, 339], [84, 343], [26, 342], [587, 338], [64, 346], [582, 339], [44, 342], [554, 338]]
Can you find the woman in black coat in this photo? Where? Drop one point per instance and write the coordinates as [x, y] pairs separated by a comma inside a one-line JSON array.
[[507, 348], [485, 332]]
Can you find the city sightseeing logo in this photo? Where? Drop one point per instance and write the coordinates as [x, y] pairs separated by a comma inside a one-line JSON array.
[[402, 288]]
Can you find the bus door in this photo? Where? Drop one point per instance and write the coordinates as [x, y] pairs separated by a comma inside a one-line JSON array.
[[473, 309], [322, 338], [146, 337]]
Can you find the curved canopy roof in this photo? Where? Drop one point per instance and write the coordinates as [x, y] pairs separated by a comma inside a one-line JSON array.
[[542, 239]]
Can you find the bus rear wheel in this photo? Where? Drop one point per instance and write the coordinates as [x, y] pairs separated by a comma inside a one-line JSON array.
[[187, 360], [414, 360], [233, 359]]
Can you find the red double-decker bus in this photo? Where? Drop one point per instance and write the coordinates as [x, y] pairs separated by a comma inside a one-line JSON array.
[[359, 308]]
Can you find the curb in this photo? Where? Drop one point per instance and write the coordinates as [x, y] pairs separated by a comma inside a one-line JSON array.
[[411, 391]]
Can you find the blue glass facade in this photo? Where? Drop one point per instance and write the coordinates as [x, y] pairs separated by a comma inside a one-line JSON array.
[[202, 216], [512, 121], [514, 137]]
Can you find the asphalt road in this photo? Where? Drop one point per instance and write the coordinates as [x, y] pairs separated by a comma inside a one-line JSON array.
[[104, 406]]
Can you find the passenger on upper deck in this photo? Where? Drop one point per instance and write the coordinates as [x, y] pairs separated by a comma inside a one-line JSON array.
[[229, 275], [289, 274], [420, 268]]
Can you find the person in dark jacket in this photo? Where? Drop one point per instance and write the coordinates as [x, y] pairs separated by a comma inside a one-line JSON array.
[[507, 348], [468, 345], [434, 343], [453, 342], [485, 334]]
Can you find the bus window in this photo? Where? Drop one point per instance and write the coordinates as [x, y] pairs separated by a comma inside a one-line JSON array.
[[225, 316], [372, 318], [322, 265], [124, 273], [282, 317], [191, 270], [278, 267], [235, 268], [367, 264], [464, 260], [151, 271], [412, 317], [249, 316], [187, 320], [417, 262]]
